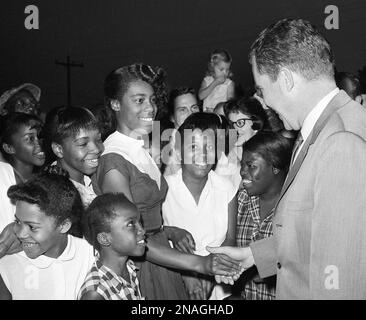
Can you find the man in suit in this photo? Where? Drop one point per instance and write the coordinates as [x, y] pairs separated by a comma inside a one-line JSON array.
[[318, 250]]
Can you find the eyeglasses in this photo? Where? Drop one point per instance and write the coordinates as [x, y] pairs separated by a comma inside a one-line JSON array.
[[192, 108], [240, 123]]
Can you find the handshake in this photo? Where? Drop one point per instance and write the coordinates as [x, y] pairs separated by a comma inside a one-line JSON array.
[[228, 263]]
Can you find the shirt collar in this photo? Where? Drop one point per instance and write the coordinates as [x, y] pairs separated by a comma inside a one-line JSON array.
[[315, 113], [110, 274], [44, 262]]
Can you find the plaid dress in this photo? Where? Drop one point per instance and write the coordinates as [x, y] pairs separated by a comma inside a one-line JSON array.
[[250, 228], [109, 285]]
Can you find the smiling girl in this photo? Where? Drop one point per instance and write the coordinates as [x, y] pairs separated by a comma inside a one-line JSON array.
[[53, 263], [22, 151], [73, 135], [264, 166], [199, 200]]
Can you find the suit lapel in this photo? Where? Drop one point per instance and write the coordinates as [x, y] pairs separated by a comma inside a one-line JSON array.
[[336, 103]]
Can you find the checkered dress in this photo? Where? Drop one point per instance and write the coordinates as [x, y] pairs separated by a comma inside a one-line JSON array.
[[109, 285], [250, 228]]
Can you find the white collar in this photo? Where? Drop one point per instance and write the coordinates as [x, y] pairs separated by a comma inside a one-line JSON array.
[[315, 113], [133, 151]]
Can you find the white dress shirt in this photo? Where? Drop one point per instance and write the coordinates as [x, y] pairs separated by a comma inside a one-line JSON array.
[[313, 117]]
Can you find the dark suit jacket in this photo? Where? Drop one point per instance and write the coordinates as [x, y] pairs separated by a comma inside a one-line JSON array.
[[319, 245]]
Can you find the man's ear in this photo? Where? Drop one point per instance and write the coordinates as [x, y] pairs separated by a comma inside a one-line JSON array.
[[115, 105], [171, 118], [286, 79], [57, 150], [103, 239], [65, 226], [8, 148]]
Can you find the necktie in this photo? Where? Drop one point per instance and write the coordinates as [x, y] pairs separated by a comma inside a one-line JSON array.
[[299, 140]]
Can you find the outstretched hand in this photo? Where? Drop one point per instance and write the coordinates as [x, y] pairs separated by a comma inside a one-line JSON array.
[[222, 265], [9, 243], [242, 255]]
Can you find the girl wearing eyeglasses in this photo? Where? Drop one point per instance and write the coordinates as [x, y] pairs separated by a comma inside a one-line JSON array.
[[247, 117]]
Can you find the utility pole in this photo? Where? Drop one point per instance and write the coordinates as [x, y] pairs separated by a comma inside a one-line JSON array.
[[69, 64]]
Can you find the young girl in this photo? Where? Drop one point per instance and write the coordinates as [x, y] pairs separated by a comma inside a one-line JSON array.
[[22, 151], [199, 200], [112, 226], [133, 93], [247, 117], [74, 137], [53, 263], [264, 166], [217, 85]]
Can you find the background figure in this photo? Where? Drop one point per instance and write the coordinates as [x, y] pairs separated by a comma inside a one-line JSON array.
[[22, 153], [73, 135], [24, 98], [247, 117], [219, 109], [264, 166], [182, 103], [217, 85]]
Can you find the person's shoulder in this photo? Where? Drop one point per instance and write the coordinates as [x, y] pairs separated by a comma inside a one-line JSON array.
[[91, 295]]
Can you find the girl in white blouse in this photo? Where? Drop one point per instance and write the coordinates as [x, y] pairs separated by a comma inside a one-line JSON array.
[[198, 199]]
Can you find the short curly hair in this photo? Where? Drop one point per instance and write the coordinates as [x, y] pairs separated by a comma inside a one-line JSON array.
[[117, 83], [100, 214], [216, 57], [274, 147], [55, 195], [66, 122]]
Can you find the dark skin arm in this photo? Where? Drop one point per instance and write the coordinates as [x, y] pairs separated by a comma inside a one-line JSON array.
[[4, 292], [114, 181], [9, 242], [91, 295], [231, 229]]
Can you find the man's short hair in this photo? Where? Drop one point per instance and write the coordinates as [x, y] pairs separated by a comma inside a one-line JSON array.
[[294, 44]]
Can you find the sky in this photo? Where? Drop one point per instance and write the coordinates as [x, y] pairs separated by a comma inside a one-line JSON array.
[[175, 35]]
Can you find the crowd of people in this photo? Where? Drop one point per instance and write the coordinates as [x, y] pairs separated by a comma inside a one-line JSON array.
[[206, 194]]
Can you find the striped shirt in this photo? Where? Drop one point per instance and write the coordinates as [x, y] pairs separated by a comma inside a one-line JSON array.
[[111, 286], [251, 228]]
